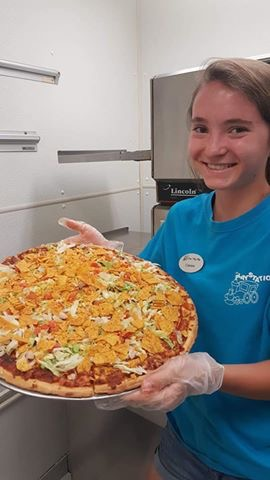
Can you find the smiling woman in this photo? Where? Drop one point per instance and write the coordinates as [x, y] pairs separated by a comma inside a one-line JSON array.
[[229, 143], [218, 396]]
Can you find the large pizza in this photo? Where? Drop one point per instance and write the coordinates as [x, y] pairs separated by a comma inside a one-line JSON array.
[[78, 321]]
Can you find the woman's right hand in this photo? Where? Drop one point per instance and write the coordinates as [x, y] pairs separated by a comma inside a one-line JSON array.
[[169, 385], [87, 234]]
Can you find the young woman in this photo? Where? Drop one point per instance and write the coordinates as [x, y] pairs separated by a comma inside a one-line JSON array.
[[219, 399]]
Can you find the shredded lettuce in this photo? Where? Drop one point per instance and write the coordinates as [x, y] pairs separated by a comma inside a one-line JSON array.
[[161, 287], [106, 263], [126, 369], [179, 337], [62, 246], [13, 344], [128, 286], [75, 348], [164, 337], [61, 360], [107, 277], [101, 320], [125, 322], [2, 350], [6, 268], [3, 332], [10, 318]]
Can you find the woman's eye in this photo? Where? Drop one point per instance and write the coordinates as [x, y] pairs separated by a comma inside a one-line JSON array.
[[199, 129], [239, 129]]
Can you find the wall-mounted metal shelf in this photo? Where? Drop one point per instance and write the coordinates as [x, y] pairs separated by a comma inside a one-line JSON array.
[[28, 72], [23, 141], [77, 156]]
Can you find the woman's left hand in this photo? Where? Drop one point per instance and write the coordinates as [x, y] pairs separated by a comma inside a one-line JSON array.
[[86, 234], [172, 383]]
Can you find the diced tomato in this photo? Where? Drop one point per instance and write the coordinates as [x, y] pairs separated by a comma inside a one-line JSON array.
[[45, 326], [50, 326], [48, 296], [95, 265], [173, 336], [126, 335], [32, 296], [53, 326], [72, 296]]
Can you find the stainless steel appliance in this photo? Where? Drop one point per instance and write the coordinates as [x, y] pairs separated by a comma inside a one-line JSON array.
[[171, 95], [159, 213], [170, 99]]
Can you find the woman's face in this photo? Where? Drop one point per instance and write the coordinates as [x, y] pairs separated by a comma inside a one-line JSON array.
[[229, 142]]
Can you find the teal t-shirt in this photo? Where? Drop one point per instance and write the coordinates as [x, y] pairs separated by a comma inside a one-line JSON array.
[[232, 296]]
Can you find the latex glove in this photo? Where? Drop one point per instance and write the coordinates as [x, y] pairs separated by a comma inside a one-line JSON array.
[[172, 383], [87, 234]]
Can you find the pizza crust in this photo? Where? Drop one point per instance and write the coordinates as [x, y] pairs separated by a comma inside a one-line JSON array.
[[63, 391], [45, 387], [126, 385], [192, 333]]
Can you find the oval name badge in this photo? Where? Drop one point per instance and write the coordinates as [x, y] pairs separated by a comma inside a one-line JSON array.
[[191, 262]]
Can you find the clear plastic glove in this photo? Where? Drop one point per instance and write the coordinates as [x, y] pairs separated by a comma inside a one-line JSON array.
[[87, 234], [172, 383]]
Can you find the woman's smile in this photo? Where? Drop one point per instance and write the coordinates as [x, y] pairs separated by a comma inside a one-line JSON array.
[[218, 166], [229, 141]]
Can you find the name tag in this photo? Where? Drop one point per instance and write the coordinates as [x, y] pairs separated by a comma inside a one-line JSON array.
[[191, 262]]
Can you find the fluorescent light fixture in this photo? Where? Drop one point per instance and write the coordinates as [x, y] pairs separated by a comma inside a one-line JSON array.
[[28, 72], [13, 141]]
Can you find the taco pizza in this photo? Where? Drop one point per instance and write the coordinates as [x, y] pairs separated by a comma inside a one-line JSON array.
[[84, 320]]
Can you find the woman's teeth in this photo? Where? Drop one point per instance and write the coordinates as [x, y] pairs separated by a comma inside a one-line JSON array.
[[219, 166]]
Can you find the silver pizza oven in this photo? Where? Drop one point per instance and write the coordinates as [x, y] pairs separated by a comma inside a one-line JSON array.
[[170, 99]]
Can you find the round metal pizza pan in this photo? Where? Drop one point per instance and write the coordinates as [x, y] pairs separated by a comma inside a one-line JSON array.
[[58, 397]]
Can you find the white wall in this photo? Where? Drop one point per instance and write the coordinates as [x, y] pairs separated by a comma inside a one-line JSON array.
[[107, 51], [179, 34], [95, 106]]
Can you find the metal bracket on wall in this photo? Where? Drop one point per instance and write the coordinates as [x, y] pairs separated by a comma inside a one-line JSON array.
[[78, 156], [13, 141], [28, 72]]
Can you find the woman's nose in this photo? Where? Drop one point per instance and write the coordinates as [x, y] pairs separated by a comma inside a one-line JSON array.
[[215, 146]]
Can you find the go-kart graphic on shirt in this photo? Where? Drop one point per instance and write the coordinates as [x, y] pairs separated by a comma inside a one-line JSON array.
[[242, 291]]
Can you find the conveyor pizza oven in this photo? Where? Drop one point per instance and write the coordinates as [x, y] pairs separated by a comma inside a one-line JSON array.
[[170, 99]]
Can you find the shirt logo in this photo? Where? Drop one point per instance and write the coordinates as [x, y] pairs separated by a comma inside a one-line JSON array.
[[244, 289]]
